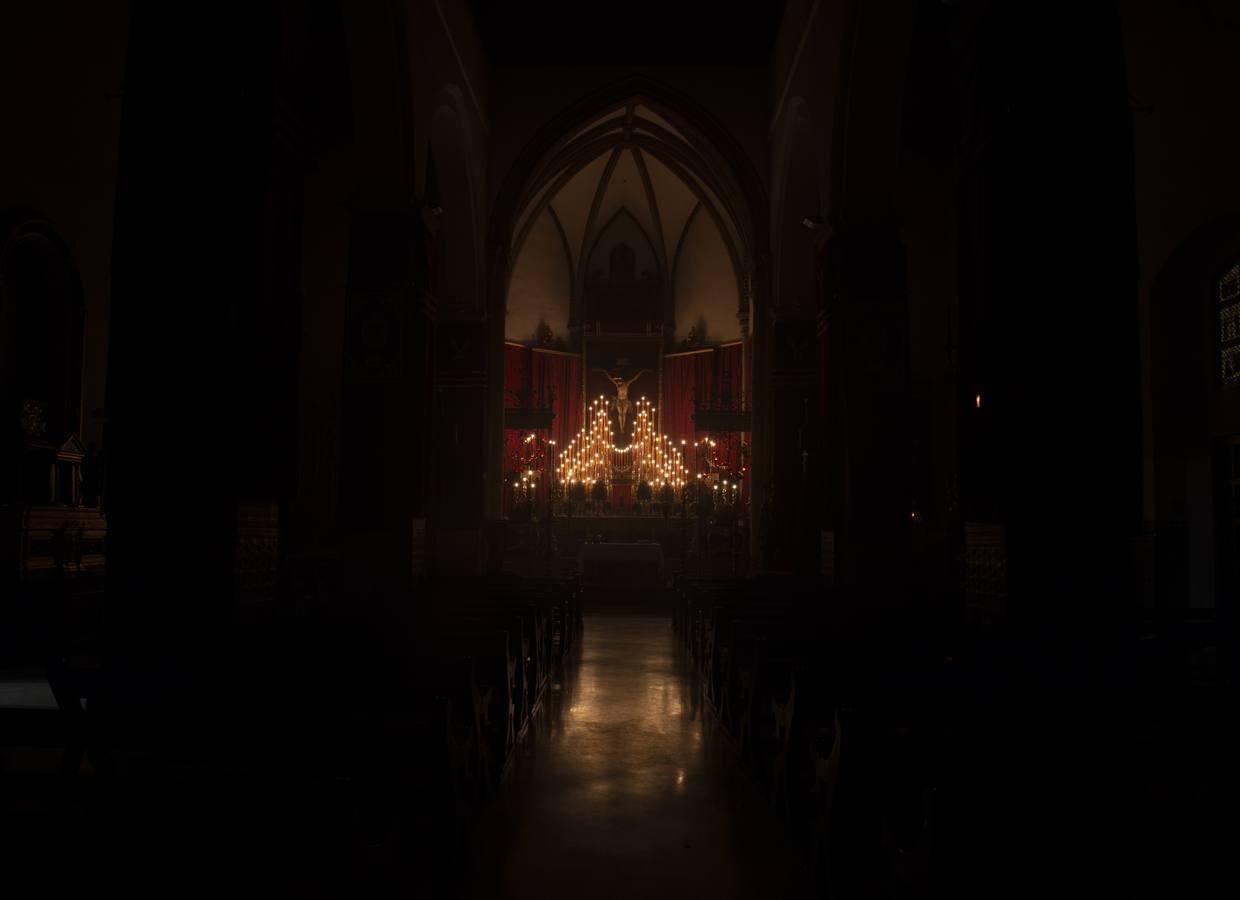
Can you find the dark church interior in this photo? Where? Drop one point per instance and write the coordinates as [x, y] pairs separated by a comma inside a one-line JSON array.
[[484, 449]]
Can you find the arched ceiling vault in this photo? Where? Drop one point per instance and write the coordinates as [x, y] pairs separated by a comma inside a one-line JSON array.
[[631, 157]]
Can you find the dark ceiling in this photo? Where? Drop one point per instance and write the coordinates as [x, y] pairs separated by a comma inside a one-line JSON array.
[[671, 32]]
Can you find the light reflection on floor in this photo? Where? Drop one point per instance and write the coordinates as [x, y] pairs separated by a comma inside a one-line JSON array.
[[623, 794]]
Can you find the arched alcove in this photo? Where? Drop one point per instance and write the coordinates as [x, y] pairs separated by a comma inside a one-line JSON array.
[[636, 169], [636, 185], [630, 153], [623, 285], [623, 230]]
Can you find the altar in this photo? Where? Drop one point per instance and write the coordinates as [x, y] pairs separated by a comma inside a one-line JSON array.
[[637, 564]]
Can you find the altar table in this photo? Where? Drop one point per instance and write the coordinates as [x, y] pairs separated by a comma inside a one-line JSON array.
[[635, 564]]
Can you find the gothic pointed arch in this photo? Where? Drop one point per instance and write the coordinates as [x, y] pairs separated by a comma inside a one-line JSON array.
[[597, 119]]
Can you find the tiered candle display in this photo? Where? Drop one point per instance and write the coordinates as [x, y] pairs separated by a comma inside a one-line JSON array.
[[593, 457], [525, 481]]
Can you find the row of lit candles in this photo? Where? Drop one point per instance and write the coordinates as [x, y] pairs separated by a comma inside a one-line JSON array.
[[592, 456]]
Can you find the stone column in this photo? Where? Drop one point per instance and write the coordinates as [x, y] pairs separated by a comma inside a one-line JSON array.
[[788, 513], [743, 316], [786, 475], [386, 434], [459, 438], [495, 324], [865, 312], [1049, 336], [203, 342]]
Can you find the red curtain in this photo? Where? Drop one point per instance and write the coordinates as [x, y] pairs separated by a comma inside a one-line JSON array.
[[688, 380], [556, 382], [516, 374], [677, 401], [728, 367], [540, 379], [727, 395], [516, 382], [708, 379], [704, 378]]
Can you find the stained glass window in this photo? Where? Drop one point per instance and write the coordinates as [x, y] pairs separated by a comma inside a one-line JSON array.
[[1229, 325]]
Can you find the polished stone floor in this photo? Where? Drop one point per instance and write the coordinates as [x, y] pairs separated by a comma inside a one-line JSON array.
[[624, 791]]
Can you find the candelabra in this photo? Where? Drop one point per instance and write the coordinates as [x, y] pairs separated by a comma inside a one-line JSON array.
[[592, 457], [528, 461]]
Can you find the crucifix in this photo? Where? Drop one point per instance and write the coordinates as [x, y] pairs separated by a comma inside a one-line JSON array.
[[621, 402]]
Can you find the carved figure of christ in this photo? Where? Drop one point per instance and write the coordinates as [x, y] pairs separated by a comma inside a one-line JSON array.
[[621, 402]]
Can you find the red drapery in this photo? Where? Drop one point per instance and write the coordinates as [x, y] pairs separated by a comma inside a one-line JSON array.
[[540, 379], [516, 375], [709, 379], [704, 385], [729, 364], [677, 401], [516, 385], [727, 395], [556, 382], [687, 382]]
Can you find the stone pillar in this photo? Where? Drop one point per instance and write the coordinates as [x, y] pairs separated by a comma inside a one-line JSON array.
[[865, 311], [1049, 336], [785, 487], [788, 514], [743, 315], [203, 341], [459, 438], [385, 439], [495, 324]]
